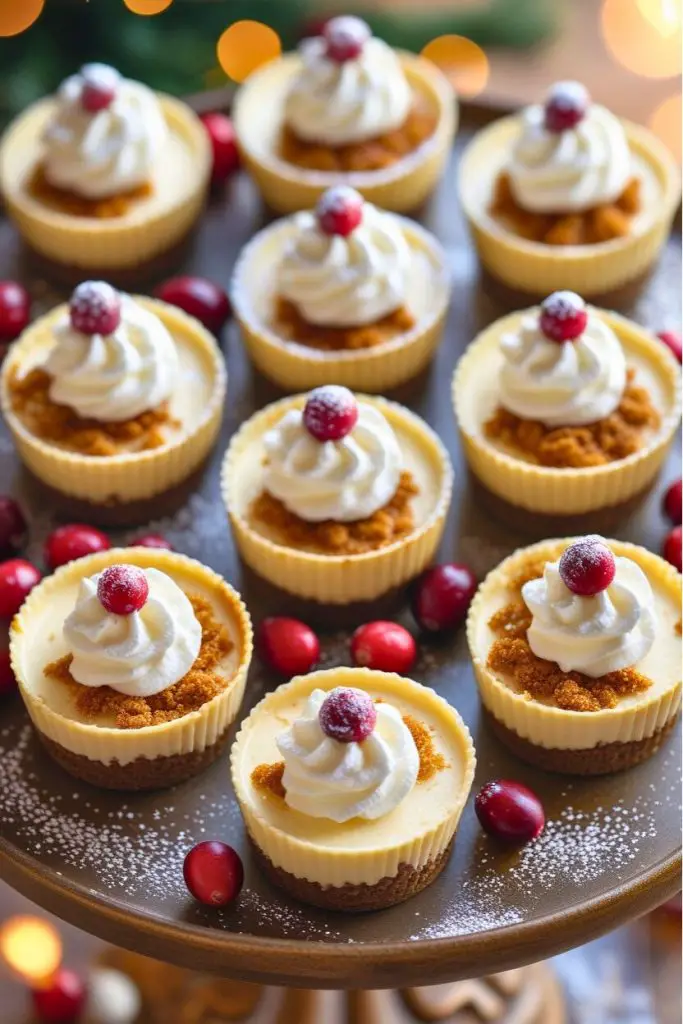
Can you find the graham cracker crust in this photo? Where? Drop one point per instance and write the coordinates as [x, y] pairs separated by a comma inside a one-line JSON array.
[[354, 898]]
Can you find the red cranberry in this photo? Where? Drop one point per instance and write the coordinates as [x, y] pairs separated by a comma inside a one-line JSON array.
[[330, 413], [563, 316], [122, 589], [345, 37], [672, 502], [73, 541], [62, 1001], [12, 525], [347, 715], [339, 210], [8, 683], [17, 580], [672, 548], [95, 308], [152, 540], [509, 811], [200, 298], [442, 595], [288, 646], [213, 873], [100, 85], [587, 567], [672, 340], [15, 310], [226, 157], [385, 646], [567, 104]]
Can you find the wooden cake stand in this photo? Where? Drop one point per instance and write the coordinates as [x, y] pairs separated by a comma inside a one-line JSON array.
[[112, 863]]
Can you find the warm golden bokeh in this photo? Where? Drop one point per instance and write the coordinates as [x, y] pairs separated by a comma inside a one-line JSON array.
[[665, 15], [18, 15], [31, 947], [147, 7], [245, 46], [644, 35], [666, 123], [463, 62]]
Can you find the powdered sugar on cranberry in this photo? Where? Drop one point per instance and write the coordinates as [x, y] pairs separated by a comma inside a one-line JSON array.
[[563, 316], [330, 413], [95, 308], [339, 210]]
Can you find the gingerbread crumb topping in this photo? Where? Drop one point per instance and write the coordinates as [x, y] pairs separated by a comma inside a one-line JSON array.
[[290, 324], [268, 777], [104, 208], [198, 686]]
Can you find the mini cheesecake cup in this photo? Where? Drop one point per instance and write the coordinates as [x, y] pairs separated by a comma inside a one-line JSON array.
[[573, 742], [294, 366], [127, 477], [129, 759], [590, 270], [552, 490], [335, 579], [357, 865], [149, 228], [258, 117]]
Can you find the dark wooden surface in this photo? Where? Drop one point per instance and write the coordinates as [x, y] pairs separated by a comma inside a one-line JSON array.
[[112, 863]]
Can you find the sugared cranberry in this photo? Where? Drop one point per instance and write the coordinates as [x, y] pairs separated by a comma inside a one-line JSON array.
[[672, 548], [8, 683], [288, 646], [12, 525], [509, 811], [122, 589], [347, 715], [17, 580], [73, 541], [62, 1001], [200, 298], [345, 37], [100, 85], [152, 540], [330, 413], [15, 310], [566, 104], [339, 210], [563, 316], [384, 646], [587, 567], [672, 502], [213, 873], [95, 308], [672, 340], [226, 157], [442, 595]]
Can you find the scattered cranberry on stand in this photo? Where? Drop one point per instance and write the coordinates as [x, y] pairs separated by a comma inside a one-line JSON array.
[[213, 873], [587, 567], [563, 316], [339, 210], [74, 540], [330, 413], [672, 503], [13, 527], [152, 540], [15, 310], [442, 595], [566, 105], [345, 38], [672, 548], [8, 682], [17, 580], [226, 157], [122, 589], [95, 308], [384, 646], [100, 85], [199, 297], [509, 811], [288, 646], [347, 715], [62, 1001], [672, 340]]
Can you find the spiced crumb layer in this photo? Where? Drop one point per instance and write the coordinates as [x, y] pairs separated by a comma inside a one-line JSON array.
[[198, 686], [608, 440], [599, 224], [290, 324], [60, 425], [105, 208], [390, 523]]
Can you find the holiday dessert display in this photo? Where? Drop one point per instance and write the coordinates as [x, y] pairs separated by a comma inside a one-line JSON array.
[[106, 174], [566, 408], [113, 398], [576, 647], [345, 293], [334, 497], [565, 195], [132, 664], [351, 783], [345, 109]]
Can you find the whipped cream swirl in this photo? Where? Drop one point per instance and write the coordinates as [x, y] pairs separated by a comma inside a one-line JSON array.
[[343, 480], [106, 152], [339, 103], [594, 635], [113, 377], [139, 654], [564, 172], [562, 384], [346, 281], [328, 779]]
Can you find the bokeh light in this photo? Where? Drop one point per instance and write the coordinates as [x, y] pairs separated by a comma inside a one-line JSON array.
[[464, 64], [18, 15], [147, 7], [666, 123], [642, 37], [31, 947], [245, 46]]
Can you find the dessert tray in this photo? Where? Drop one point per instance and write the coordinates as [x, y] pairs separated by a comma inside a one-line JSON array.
[[112, 863]]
